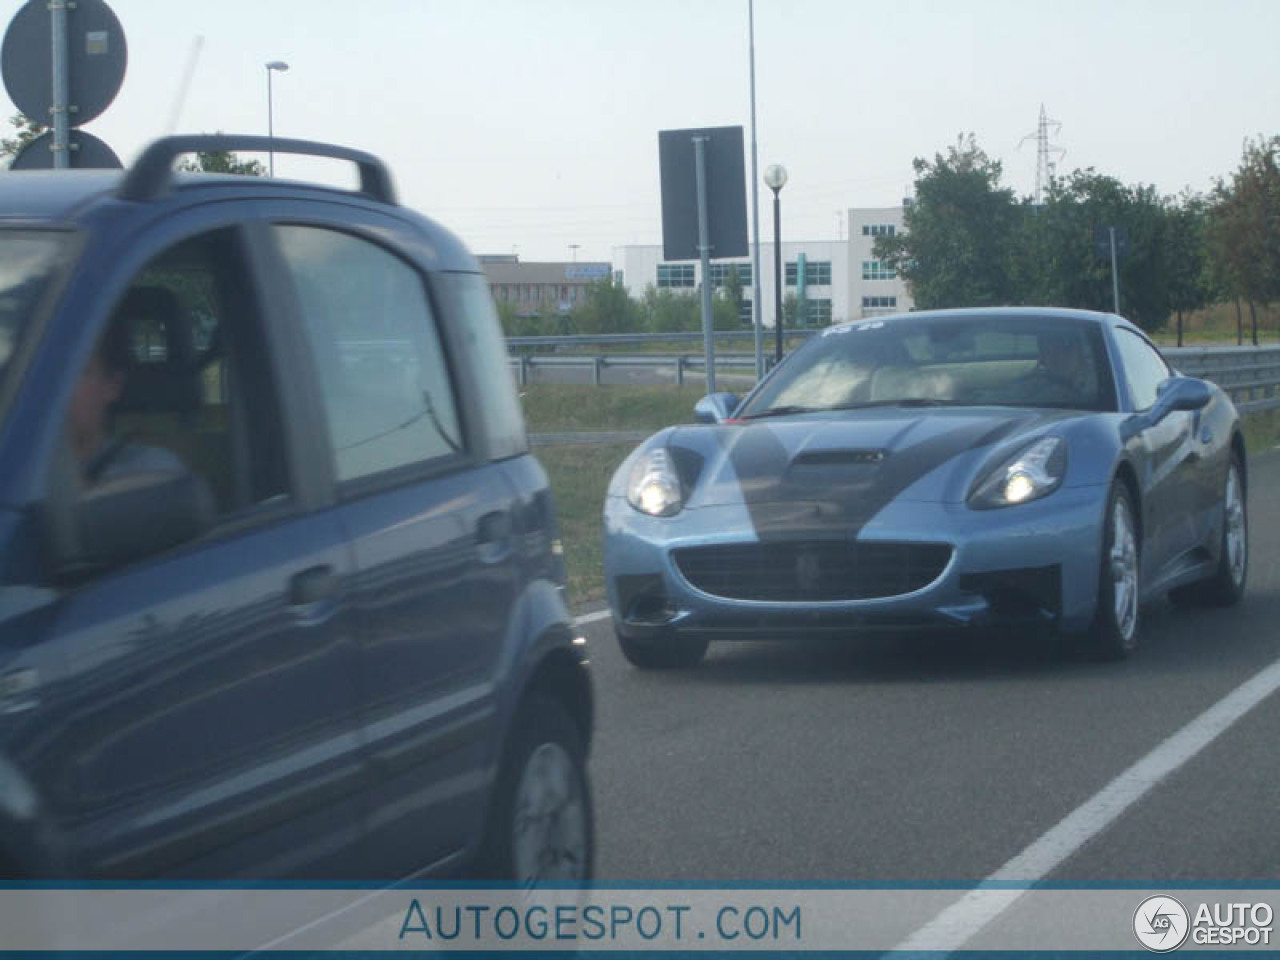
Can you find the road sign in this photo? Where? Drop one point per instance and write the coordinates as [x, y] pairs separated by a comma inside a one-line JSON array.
[[1102, 242], [87, 153], [726, 182], [96, 59]]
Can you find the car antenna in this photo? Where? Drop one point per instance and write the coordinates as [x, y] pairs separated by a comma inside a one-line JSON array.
[[197, 45]]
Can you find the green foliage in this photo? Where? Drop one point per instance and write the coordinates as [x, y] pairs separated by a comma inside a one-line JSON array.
[[956, 249], [1192, 283], [1244, 225], [666, 311], [607, 309], [222, 161], [1077, 208], [26, 131], [790, 309], [732, 288], [969, 242], [724, 311]]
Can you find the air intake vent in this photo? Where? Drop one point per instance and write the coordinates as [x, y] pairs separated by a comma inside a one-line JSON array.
[[808, 571], [830, 458]]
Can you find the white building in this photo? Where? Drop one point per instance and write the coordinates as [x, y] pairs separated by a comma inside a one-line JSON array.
[[842, 280]]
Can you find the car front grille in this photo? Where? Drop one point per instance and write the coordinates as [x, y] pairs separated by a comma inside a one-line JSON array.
[[812, 570]]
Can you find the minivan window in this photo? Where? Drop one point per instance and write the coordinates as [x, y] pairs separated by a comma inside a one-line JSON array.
[[382, 369], [469, 298], [28, 261]]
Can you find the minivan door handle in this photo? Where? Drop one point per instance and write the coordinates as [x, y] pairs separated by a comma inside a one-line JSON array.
[[493, 536], [313, 585]]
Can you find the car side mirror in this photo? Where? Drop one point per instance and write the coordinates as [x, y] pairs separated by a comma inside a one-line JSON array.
[[715, 407], [126, 518], [1183, 393]]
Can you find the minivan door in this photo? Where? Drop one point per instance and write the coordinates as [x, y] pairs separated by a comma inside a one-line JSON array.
[[196, 716], [433, 531]]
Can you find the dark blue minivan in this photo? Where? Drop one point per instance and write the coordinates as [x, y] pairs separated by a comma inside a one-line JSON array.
[[281, 594]]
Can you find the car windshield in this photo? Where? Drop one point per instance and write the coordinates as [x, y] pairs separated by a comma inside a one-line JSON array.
[[935, 361], [28, 261]]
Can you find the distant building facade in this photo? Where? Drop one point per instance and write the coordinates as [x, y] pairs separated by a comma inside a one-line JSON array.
[[536, 289], [841, 280]]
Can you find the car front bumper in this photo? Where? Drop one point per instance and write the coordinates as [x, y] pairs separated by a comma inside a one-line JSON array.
[[1036, 563]]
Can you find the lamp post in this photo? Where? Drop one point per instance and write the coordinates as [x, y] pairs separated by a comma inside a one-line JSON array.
[[775, 178], [272, 66]]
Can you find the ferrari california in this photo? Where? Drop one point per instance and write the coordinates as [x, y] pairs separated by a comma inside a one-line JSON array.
[[1028, 467]]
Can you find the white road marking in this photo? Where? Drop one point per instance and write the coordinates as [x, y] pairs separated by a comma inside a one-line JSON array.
[[965, 918], [596, 617]]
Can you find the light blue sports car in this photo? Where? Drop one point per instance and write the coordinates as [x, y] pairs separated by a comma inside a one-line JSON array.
[[956, 467]]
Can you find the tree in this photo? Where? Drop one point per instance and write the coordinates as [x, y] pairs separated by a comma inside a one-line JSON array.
[[27, 130], [1063, 234], [222, 161], [666, 311], [955, 250], [724, 310], [608, 308], [790, 309], [1191, 284], [1244, 227], [732, 288]]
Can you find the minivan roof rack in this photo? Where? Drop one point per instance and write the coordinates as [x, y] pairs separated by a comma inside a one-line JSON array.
[[152, 174]]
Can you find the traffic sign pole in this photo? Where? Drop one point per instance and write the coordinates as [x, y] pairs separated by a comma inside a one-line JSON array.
[[704, 253], [61, 115]]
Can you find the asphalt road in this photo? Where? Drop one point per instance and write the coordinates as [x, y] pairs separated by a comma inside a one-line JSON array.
[[941, 758]]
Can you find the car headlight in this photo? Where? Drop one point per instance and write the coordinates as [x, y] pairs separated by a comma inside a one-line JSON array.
[[1033, 472], [654, 486]]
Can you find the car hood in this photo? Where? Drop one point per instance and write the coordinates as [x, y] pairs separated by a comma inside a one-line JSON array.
[[854, 462]]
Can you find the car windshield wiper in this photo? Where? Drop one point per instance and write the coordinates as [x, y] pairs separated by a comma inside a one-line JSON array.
[[860, 405], [781, 411], [900, 402]]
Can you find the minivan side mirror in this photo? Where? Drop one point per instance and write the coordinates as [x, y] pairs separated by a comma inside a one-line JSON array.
[[715, 407]]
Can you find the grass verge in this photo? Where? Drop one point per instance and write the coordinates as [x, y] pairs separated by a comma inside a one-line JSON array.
[[567, 409], [579, 479], [1261, 431]]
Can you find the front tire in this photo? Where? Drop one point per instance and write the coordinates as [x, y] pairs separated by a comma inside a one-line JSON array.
[[1113, 634], [540, 824], [673, 653]]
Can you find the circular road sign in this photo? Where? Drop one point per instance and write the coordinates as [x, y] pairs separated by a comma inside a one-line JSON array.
[[87, 153], [96, 60]]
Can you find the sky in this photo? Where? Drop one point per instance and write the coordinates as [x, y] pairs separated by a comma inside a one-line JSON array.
[[531, 126]]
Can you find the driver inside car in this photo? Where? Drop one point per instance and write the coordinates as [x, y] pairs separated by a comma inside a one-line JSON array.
[[102, 457]]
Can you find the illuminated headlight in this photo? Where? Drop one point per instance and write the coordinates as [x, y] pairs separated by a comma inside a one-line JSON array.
[[654, 487], [1032, 473]]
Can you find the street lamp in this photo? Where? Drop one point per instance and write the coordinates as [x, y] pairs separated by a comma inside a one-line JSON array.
[[271, 133], [775, 178]]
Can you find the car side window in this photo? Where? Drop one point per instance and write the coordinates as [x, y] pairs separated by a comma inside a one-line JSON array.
[[175, 410], [467, 297], [383, 373], [1144, 368]]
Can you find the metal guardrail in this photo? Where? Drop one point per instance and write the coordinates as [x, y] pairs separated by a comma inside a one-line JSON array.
[[614, 339], [1250, 375], [597, 363]]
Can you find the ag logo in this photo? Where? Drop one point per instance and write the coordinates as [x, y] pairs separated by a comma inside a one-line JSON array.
[[1161, 924]]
